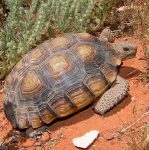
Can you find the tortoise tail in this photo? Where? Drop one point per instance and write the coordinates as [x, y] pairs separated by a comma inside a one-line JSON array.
[[9, 112]]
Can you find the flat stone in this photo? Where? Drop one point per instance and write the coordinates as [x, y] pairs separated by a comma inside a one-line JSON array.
[[38, 143], [86, 140]]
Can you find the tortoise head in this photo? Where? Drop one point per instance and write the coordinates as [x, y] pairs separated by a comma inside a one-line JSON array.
[[125, 49]]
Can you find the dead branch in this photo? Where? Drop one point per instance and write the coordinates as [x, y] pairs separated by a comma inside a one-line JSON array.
[[119, 133]]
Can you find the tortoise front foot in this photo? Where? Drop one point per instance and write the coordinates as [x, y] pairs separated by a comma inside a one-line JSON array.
[[35, 133], [112, 96]]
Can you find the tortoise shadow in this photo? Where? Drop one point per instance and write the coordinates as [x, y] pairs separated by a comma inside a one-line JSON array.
[[128, 72], [82, 115], [86, 113]]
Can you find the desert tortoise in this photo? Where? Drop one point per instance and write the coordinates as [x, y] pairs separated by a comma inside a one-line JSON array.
[[62, 76]]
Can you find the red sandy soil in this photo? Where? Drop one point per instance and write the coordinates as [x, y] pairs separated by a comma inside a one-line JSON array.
[[63, 131]]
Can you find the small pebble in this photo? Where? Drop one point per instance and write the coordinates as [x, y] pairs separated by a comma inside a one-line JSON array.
[[28, 143], [46, 147], [38, 143], [108, 135], [45, 137], [133, 98], [39, 148]]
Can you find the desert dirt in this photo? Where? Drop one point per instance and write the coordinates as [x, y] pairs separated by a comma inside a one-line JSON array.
[[61, 132]]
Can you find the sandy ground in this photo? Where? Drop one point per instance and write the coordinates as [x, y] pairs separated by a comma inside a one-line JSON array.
[[61, 132]]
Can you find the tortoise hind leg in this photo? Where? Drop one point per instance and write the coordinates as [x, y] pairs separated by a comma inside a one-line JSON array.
[[34, 133], [112, 96]]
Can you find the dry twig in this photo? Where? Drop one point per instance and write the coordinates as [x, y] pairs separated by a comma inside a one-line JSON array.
[[119, 133]]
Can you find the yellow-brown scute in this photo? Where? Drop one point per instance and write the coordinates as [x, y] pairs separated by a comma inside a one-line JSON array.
[[81, 98], [31, 84], [60, 42], [36, 54], [58, 65], [47, 117], [85, 35], [109, 71], [63, 108], [20, 65], [111, 75], [85, 52], [35, 121], [22, 122], [22, 117], [97, 86]]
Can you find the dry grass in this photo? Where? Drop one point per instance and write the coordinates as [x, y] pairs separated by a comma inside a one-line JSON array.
[[138, 138], [140, 18]]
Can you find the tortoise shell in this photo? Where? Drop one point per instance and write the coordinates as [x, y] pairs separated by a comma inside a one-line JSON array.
[[58, 78]]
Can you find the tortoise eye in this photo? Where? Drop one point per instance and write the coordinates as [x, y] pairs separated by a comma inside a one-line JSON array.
[[126, 49]]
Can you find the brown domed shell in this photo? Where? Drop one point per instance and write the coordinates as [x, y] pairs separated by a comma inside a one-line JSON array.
[[58, 78]]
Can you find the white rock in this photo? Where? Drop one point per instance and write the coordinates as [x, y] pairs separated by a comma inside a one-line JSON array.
[[133, 98], [86, 140], [122, 8]]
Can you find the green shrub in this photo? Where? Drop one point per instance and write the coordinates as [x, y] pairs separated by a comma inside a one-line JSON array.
[[100, 13], [29, 21]]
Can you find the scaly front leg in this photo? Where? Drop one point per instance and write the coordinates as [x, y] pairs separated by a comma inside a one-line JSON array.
[[112, 96]]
